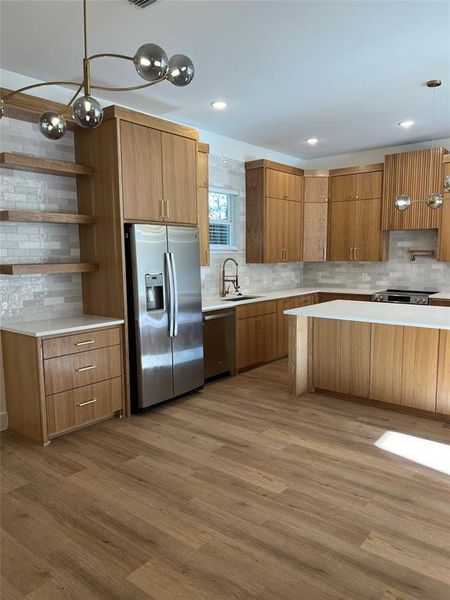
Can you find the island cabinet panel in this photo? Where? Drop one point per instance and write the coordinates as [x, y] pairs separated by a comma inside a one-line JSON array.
[[420, 361], [443, 386], [355, 358], [255, 340], [283, 320], [386, 358], [327, 354], [444, 231]]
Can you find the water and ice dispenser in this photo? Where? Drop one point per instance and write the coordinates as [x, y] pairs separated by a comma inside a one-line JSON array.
[[154, 291]]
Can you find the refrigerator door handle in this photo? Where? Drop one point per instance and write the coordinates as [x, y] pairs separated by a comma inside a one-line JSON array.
[[175, 294], [170, 294]]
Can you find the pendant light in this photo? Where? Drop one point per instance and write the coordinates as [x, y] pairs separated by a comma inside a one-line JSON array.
[[151, 63]]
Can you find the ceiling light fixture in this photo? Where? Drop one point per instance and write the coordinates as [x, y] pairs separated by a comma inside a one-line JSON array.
[[406, 124], [312, 141], [151, 63], [434, 200], [219, 104]]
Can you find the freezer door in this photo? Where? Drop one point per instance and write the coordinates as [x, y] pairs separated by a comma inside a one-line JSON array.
[[149, 261], [187, 340]]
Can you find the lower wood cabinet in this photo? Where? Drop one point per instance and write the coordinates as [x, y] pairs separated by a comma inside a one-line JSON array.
[[328, 297], [255, 340], [55, 383], [443, 385], [439, 302], [282, 319]]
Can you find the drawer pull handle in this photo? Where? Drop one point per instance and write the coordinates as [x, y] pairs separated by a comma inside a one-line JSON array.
[[88, 368], [87, 402], [84, 343]]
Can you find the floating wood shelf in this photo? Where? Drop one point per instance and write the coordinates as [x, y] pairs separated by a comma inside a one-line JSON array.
[[46, 268], [36, 216], [25, 162]]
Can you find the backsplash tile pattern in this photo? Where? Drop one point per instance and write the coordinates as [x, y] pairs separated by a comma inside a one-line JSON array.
[[31, 297], [229, 174], [398, 272]]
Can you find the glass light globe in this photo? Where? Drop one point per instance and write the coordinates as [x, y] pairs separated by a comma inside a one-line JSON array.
[[52, 125], [434, 200], [151, 62], [87, 112], [181, 70], [402, 202]]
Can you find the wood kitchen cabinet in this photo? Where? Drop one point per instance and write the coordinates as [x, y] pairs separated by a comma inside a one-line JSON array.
[[356, 186], [274, 212], [159, 175], [282, 319], [444, 231], [342, 356], [443, 386], [203, 203], [255, 334], [315, 217], [416, 174]]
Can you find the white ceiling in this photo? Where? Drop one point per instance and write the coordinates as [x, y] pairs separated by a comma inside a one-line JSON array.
[[345, 72]]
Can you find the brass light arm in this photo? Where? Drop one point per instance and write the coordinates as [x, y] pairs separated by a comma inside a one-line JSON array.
[[126, 89]]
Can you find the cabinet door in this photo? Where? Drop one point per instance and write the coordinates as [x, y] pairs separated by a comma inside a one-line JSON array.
[[295, 186], [276, 184], [367, 230], [202, 169], [420, 363], [369, 185], [179, 165], [341, 230], [203, 225], [343, 188], [141, 172], [355, 358], [316, 189], [444, 231], [386, 359], [315, 227], [274, 231], [443, 387], [255, 340], [267, 331], [327, 354], [293, 230]]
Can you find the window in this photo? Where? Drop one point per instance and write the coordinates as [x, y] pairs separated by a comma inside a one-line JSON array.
[[221, 218]]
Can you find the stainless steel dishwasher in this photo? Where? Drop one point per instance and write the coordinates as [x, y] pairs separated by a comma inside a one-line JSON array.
[[219, 342]]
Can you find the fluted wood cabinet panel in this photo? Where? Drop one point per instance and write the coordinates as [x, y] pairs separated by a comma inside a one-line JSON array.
[[355, 358], [327, 354], [420, 361], [443, 387], [386, 360], [444, 232], [416, 174]]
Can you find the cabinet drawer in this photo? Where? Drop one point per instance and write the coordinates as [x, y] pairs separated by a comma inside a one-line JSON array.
[[80, 342], [82, 405], [73, 371], [255, 310]]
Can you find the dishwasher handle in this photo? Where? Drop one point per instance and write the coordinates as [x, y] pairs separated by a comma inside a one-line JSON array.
[[224, 315]]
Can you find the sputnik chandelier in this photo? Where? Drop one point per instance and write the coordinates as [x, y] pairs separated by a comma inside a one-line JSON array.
[[151, 63]]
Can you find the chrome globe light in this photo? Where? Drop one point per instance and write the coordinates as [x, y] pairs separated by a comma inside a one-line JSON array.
[[151, 63], [87, 112], [434, 200], [52, 125], [402, 202]]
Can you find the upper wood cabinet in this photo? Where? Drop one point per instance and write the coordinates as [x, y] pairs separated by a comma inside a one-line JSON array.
[[159, 175], [444, 231], [203, 203], [315, 217], [357, 186], [416, 174], [274, 212]]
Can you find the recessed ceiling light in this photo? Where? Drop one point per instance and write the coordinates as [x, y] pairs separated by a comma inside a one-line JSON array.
[[312, 141], [406, 124], [219, 104]]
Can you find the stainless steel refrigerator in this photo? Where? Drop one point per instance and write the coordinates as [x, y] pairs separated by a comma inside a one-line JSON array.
[[165, 310]]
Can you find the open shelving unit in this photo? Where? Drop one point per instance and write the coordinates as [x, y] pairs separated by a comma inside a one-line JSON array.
[[26, 162], [47, 268]]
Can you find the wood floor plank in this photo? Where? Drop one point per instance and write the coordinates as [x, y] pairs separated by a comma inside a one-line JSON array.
[[240, 492]]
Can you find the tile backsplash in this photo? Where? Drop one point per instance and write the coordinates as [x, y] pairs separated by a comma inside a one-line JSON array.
[[229, 174], [398, 272], [30, 297]]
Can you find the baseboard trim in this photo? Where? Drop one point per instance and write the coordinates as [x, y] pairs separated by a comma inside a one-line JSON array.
[[3, 421]]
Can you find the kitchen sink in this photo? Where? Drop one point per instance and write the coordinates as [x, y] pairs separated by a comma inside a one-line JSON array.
[[239, 298]]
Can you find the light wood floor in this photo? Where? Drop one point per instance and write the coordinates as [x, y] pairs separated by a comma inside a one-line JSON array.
[[240, 492]]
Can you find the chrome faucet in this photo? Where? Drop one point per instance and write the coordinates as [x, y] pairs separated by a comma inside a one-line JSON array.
[[234, 279]]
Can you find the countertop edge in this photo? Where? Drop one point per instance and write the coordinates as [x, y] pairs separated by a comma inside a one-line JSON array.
[[14, 328]]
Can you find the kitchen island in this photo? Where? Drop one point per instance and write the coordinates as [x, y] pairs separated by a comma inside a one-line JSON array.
[[364, 350]]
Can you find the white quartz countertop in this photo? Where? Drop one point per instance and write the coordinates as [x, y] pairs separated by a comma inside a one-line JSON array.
[[433, 317], [215, 303], [61, 325], [445, 295]]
